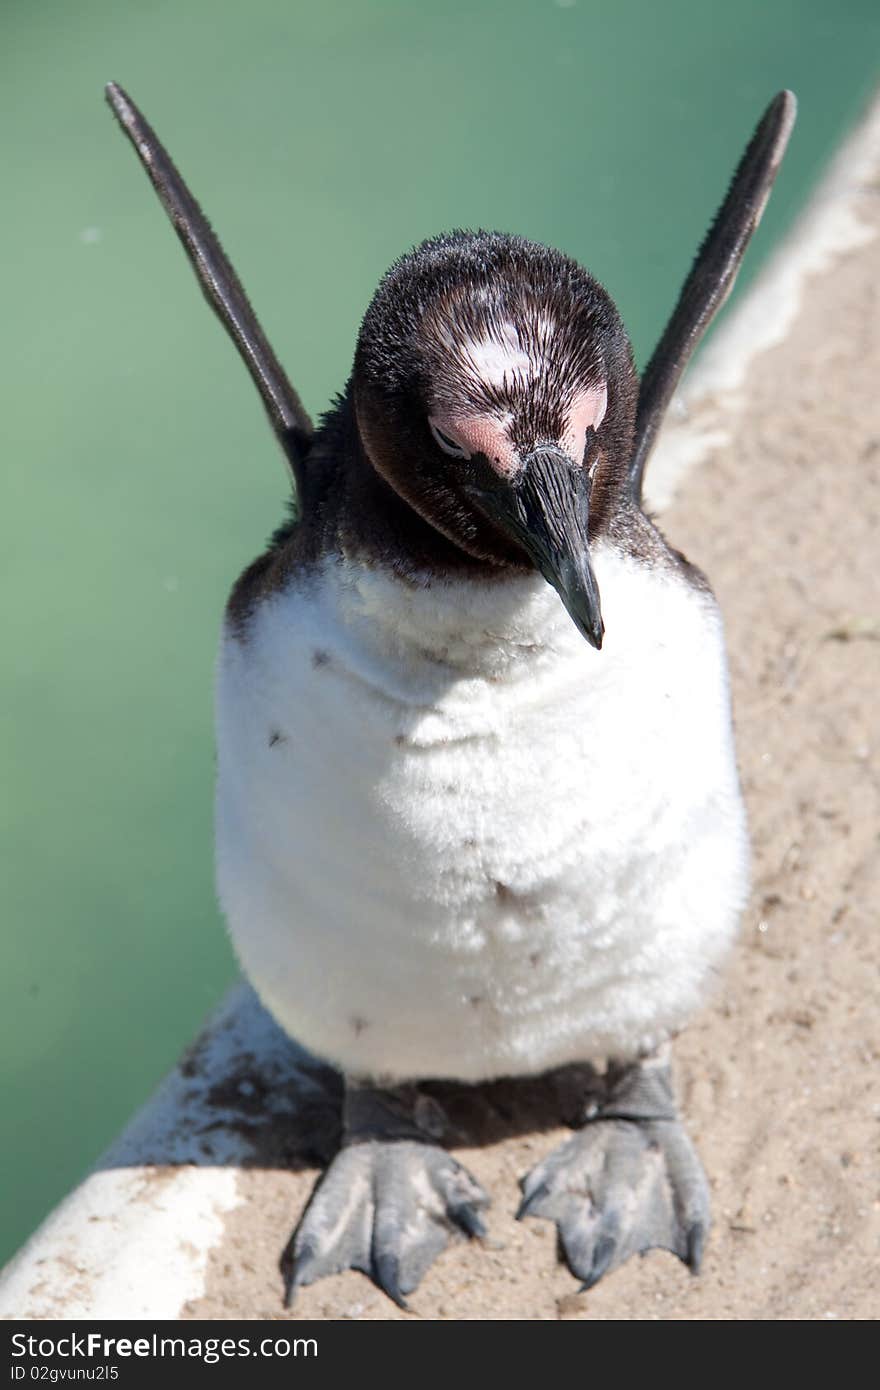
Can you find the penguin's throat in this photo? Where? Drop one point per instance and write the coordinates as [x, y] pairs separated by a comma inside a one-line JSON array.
[[478, 626]]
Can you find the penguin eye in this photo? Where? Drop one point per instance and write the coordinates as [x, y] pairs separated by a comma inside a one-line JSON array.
[[449, 446]]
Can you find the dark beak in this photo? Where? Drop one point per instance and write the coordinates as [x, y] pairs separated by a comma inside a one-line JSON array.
[[546, 510]]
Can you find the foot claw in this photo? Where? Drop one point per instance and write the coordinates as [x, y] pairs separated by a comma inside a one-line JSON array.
[[386, 1270], [603, 1256], [532, 1199], [294, 1266], [469, 1220], [696, 1241]]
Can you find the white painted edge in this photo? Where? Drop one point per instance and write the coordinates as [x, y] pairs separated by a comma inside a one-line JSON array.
[[133, 1240], [704, 412]]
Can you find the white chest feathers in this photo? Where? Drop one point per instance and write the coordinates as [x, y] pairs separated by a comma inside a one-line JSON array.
[[453, 840]]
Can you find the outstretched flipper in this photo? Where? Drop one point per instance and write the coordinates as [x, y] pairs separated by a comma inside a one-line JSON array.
[[220, 284], [627, 1182], [712, 275], [389, 1202]]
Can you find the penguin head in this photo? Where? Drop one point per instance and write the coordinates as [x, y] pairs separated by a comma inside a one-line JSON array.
[[494, 391]]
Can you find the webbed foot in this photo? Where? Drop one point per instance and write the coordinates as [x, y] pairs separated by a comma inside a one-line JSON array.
[[387, 1205], [628, 1181]]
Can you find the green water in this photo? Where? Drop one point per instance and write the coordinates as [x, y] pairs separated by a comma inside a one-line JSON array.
[[139, 474]]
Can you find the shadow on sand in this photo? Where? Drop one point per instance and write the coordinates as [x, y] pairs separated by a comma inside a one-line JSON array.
[[245, 1095]]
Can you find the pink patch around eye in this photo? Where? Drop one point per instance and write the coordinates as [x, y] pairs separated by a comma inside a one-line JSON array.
[[481, 434], [488, 435], [587, 413]]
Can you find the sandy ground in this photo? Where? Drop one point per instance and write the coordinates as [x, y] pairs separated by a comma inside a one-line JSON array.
[[778, 1077]]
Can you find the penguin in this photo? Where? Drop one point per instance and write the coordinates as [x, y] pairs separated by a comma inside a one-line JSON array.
[[477, 810]]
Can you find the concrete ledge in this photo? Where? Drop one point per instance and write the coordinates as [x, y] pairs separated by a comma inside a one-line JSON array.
[[132, 1240]]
